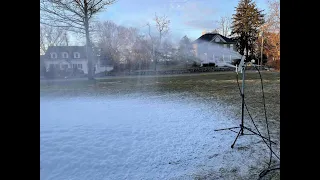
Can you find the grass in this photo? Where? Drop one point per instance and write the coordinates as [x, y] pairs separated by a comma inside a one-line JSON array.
[[206, 87], [221, 86]]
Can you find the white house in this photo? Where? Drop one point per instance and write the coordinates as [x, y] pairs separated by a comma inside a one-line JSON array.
[[67, 57], [215, 48]]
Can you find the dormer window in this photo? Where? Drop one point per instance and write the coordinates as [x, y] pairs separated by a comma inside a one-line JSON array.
[[53, 55], [217, 40], [64, 55], [76, 55]]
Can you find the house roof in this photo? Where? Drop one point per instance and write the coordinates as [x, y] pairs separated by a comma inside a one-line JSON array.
[[69, 49], [209, 36]]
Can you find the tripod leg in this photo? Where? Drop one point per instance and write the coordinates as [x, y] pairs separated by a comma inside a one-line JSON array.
[[236, 138], [226, 129], [258, 134]]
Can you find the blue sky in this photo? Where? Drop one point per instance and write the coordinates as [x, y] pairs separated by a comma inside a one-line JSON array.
[[188, 17]]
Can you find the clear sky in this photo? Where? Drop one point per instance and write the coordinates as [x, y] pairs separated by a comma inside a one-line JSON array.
[[188, 17]]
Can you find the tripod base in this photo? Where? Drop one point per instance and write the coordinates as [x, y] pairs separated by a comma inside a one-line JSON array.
[[241, 133], [241, 126]]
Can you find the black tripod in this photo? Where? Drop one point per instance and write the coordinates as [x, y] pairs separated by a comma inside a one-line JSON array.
[[241, 126]]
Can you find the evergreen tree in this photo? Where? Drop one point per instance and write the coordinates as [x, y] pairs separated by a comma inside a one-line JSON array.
[[185, 49], [245, 26]]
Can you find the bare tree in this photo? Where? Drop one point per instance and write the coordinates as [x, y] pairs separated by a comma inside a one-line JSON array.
[[118, 43], [273, 18], [162, 25], [142, 53], [76, 15], [108, 38], [224, 25], [272, 37], [52, 36]]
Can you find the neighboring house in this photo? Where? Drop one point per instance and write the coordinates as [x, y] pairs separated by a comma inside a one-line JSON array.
[[68, 57], [215, 48]]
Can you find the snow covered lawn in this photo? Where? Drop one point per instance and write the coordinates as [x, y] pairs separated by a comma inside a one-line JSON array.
[[143, 137]]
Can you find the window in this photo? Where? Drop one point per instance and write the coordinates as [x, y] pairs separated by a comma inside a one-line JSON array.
[[76, 55], [80, 66], [231, 46], [57, 66], [51, 66], [54, 55], [225, 45], [74, 66], [64, 55]]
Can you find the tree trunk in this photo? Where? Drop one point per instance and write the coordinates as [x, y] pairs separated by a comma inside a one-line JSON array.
[[156, 59], [88, 42], [88, 48]]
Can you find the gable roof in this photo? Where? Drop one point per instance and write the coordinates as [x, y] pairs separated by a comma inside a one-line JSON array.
[[69, 49], [218, 37], [209, 36]]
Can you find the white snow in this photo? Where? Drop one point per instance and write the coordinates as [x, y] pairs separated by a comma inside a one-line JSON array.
[[159, 137]]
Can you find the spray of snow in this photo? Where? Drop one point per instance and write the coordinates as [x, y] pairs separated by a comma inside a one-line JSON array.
[[213, 53]]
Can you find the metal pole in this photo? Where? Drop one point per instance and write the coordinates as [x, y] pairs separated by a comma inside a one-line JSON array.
[[242, 91]]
